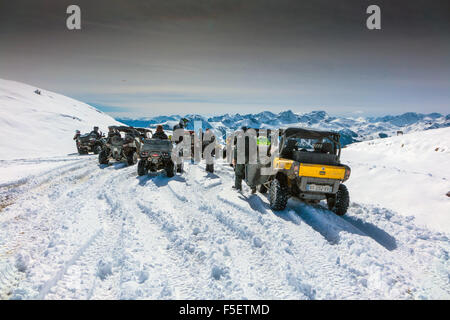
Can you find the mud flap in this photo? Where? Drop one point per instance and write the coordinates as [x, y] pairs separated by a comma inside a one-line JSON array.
[[253, 176]]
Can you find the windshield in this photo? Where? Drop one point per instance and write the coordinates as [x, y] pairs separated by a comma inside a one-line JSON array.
[[324, 145]]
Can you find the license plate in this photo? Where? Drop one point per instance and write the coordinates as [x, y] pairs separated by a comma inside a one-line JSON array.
[[319, 188]]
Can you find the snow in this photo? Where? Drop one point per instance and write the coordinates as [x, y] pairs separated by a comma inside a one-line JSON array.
[[409, 174], [84, 231], [33, 125], [73, 229]]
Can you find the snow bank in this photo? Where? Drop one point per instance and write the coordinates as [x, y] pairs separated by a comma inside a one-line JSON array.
[[41, 125], [409, 174]]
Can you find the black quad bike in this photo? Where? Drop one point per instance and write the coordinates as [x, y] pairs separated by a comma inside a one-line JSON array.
[[156, 155], [124, 146], [307, 167], [89, 142]]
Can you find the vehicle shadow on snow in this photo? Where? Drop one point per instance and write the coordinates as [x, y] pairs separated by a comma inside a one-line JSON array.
[[212, 176], [158, 178], [115, 165], [329, 225], [257, 204], [379, 235]]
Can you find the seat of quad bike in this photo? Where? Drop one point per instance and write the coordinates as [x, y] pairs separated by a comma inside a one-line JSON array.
[[315, 157], [327, 147], [288, 150]]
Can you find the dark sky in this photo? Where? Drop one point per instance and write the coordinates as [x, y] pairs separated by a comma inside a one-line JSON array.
[[141, 58]]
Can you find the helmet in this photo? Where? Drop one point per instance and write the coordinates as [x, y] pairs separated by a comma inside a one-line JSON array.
[[95, 128], [77, 131]]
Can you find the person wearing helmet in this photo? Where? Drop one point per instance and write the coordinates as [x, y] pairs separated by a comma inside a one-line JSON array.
[[239, 168], [111, 133], [77, 134], [160, 134], [207, 139], [96, 133], [181, 125]]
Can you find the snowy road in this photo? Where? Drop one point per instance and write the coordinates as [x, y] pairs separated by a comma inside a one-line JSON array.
[[71, 229]]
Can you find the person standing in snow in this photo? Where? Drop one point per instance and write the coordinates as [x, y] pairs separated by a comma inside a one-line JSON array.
[[180, 125], [160, 134], [239, 168], [112, 132], [207, 139], [96, 133]]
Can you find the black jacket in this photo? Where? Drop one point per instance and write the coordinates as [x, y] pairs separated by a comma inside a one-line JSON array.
[[207, 142], [247, 148], [160, 135], [96, 133], [175, 127]]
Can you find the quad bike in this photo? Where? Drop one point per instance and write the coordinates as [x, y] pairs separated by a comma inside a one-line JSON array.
[[89, 143], [156, 155], [308, 167], [124, 146], [144, 133]]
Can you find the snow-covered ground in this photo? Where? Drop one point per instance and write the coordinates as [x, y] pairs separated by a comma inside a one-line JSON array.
[[33, 125], [84, 231], [72, 229], [409, 174]]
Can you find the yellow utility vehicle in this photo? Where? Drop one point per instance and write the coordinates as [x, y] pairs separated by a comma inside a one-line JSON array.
[[309, 168]]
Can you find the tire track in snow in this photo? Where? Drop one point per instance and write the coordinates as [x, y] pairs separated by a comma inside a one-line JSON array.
[[59, 275], [182, 280], [50, 229], [96, 273], [324, 267], [12, 192], [330, 226], [25, 230], [256, 261], [164, 237]]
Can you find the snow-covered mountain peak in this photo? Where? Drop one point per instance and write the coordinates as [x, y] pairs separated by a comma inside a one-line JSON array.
[[351, 129]]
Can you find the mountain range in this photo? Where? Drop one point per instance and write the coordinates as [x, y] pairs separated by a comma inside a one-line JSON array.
[[351, 129]]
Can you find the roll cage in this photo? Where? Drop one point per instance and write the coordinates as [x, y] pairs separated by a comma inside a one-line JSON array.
[[303, 133]]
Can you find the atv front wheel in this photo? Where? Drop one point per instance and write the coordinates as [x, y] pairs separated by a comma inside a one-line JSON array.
[[97, 149], [132, 158], [142, 168], [103, 157], [278, 195], [170, 170], [340, 203]]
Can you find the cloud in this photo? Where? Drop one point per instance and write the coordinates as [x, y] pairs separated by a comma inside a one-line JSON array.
[[153, 55]]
